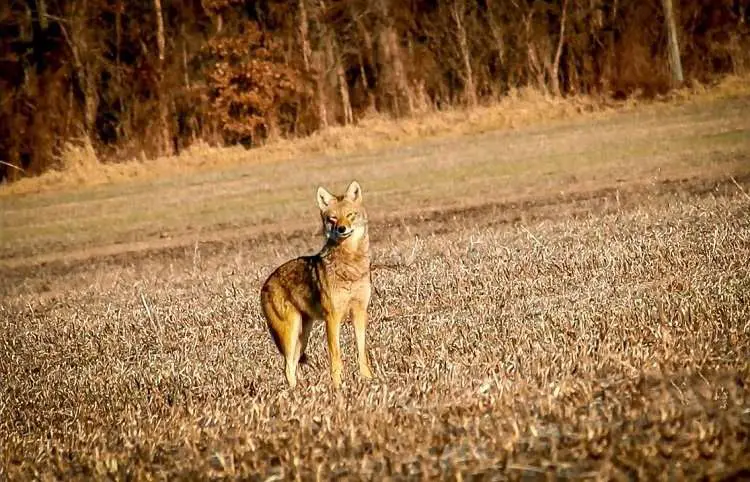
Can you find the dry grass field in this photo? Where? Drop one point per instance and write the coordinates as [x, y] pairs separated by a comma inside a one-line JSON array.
[[568, 299]]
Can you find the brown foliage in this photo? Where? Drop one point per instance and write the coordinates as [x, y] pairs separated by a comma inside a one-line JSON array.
[[251, 92]]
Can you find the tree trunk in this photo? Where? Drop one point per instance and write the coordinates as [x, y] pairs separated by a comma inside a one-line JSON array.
[[309, 63], [497, 34], [304, 37], [320, 63], [366, 85], [674, 48], [119, 8], [457, 12], [535, 70], [38, 12], [335, 59], [83, 78], [555, 71], [393, 72], [369, 58], [165, 145], [398, 68], [185, 67], [344, 92]]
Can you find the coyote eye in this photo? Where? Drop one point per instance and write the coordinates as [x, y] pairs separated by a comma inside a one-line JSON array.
[[351, 216]]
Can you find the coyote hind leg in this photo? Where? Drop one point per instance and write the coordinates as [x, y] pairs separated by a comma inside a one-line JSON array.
[[304, 336], [286, 328], [292, 348]]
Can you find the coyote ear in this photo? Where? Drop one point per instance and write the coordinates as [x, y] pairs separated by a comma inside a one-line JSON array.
[[354, 192], [324, 198]]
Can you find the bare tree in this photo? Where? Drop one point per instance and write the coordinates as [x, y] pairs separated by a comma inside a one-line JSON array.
[[318, 56], [165, 145], [458, 11], [365, 55], [303, 31], [85, 74], [333, 63], [497, 34], [674, 48], [334, 56], [394, 73], [534, 66], [555, 70]]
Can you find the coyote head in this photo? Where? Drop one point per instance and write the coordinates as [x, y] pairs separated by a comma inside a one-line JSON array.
[[343, 216]]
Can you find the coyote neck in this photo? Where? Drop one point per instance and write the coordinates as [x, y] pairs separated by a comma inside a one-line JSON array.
[[347, 261]]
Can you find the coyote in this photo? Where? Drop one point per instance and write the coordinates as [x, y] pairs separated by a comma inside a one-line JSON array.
[[327, 286]]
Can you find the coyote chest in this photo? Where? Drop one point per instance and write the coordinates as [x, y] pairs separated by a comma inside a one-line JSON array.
[[344, 279], [346, 269]]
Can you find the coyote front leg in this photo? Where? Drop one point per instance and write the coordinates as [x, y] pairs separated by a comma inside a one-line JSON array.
[[359, 320], [333, 330]]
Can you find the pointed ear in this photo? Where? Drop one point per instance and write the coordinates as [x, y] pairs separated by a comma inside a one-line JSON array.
[[354, 192], [324, 198]]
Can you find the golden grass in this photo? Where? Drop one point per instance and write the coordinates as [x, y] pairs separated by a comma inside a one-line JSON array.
[[520, 108], [604, 339], [710, 140]]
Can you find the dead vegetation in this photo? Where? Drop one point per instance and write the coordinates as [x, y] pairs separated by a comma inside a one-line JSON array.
[[612, 345], [79, 165], [598, 334], [236, 72]]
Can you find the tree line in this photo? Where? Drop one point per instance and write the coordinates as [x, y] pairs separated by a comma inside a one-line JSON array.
[[150, 77]]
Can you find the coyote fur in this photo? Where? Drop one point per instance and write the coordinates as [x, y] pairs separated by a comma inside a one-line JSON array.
[[327, 286]]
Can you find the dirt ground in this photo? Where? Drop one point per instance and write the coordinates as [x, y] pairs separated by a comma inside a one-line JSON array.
[[569, 299]]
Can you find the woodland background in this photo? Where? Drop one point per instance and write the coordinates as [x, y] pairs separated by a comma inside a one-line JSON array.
[[149, 78]]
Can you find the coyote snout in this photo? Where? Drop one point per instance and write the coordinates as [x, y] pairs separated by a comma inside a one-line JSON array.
[[337, 229], [328, 286]]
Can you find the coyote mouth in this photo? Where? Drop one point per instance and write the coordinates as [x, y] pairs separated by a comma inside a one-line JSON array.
[[344, 235], [340, 233]]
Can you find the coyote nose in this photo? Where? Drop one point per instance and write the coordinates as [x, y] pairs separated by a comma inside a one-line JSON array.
[[341, 229]]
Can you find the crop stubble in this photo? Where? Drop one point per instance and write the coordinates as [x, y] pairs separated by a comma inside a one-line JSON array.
[[598, 334]]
